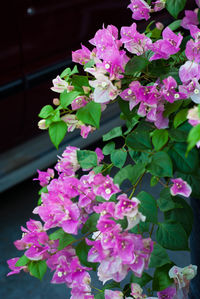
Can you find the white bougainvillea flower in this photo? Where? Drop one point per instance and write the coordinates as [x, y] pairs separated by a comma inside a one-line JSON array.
[[104, 90], [59, 85]]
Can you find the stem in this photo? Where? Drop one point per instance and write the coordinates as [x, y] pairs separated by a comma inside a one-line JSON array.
[[110, 165], [135, 185], [100, 291], [151, 232]]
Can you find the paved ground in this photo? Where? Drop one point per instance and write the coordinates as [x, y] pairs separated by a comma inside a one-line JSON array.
[[16, 208]]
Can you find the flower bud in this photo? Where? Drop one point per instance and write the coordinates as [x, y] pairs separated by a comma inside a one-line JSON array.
[[56, 101], [42, 124], [159, 26], [86, 89]]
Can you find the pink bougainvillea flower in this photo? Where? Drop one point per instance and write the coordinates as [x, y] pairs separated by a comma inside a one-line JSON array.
[[15, 270], [44, 176], [195, 32], [197, 2], [129, 94], [68, 163], [192, 50], [168, 293], [168, 90], [79, 102], [140, 9], [134, 41], [189, 19], [180, 187], [85, 130], [82, 55], [159, 5], [59, 85], [167, 46], [105, 39]]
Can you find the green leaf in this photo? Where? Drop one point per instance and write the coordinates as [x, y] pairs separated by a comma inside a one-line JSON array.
[[161, 279], [161, 165], [177, 135], [154, 181], [37, 269], [159, 138], [43, 190], [198, 15], [143, 280], [131, 124], [184, 216], [175, 25], [172, 107], [118, 158], [180, 117], [65, 73], [89, 64], [97, 169], [193, 137], [116, 132], [158, 68], [90, 114], [181, 162], [59, 233], [87, 159], [100, 199], [46, 111], [79, 81], [132, 173], [148, 207], [172, 236], [174, 7], [124, 107], [165, 201], [66, 98], [57, 132], [74, 71], [142, 227], [22, 261], [159, 257], [90, 224], [109, 148], [111, 285], [136, 64], [82, 250], [139, 140], [99, 296], [65, 240]]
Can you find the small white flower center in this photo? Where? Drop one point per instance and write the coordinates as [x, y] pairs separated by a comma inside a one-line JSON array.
[[108, 191], [196, 91], [129, 91], [176, 96], [60, 274], [107, 66], [104, 84]]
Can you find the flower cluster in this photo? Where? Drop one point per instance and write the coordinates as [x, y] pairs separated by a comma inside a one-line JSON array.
[[154, 76]]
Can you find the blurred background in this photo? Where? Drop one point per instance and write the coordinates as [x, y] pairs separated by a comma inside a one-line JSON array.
[[37, 37]]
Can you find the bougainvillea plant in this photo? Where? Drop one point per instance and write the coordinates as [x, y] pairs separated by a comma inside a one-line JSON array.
[[90, 222]]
